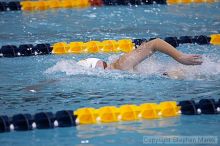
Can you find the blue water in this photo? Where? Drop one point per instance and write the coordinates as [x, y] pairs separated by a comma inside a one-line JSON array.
[[52, 83]]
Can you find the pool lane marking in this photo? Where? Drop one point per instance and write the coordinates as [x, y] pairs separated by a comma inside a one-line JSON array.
[[93, 47], [108, 114], [82, 4]]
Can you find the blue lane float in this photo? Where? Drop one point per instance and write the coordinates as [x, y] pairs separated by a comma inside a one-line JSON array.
[[42, 120], [69, 118], [204, 106], [22, 122], [133, 2], [10, 6], [25, 50]]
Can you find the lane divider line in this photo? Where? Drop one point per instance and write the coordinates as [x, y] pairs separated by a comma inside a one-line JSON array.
[[108, 114], [41, 5], [105, 46]]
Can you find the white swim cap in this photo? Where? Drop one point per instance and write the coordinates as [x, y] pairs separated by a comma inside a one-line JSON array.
[[88, 63]]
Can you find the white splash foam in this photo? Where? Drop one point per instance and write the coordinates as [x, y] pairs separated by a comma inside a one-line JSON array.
[[67, 66], [208, 70]]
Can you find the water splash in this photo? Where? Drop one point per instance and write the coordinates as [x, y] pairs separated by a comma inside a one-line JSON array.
[[210, 69]]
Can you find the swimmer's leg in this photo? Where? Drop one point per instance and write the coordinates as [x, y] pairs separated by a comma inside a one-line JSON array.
[[40, 85]]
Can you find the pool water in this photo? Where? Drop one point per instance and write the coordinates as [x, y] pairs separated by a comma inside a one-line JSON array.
[[52, 83]]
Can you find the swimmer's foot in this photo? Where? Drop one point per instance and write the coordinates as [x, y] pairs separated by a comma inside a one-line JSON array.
[[190, 59]]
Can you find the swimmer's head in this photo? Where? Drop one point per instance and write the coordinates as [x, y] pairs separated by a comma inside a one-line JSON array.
[[92, 63]]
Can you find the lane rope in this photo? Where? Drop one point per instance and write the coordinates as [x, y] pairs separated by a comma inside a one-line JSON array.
[[108, 114], [79, 4], [105, 46]]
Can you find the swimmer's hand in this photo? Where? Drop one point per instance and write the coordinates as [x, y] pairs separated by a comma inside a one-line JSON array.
[[190, 59]]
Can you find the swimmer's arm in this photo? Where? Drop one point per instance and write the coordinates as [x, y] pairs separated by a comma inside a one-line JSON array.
[[130, 60], [186, 59]]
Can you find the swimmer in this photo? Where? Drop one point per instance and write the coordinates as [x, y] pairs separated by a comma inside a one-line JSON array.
[[128, 61]]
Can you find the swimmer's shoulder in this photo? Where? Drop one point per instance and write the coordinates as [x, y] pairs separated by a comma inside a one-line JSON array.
[[118, 66]]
